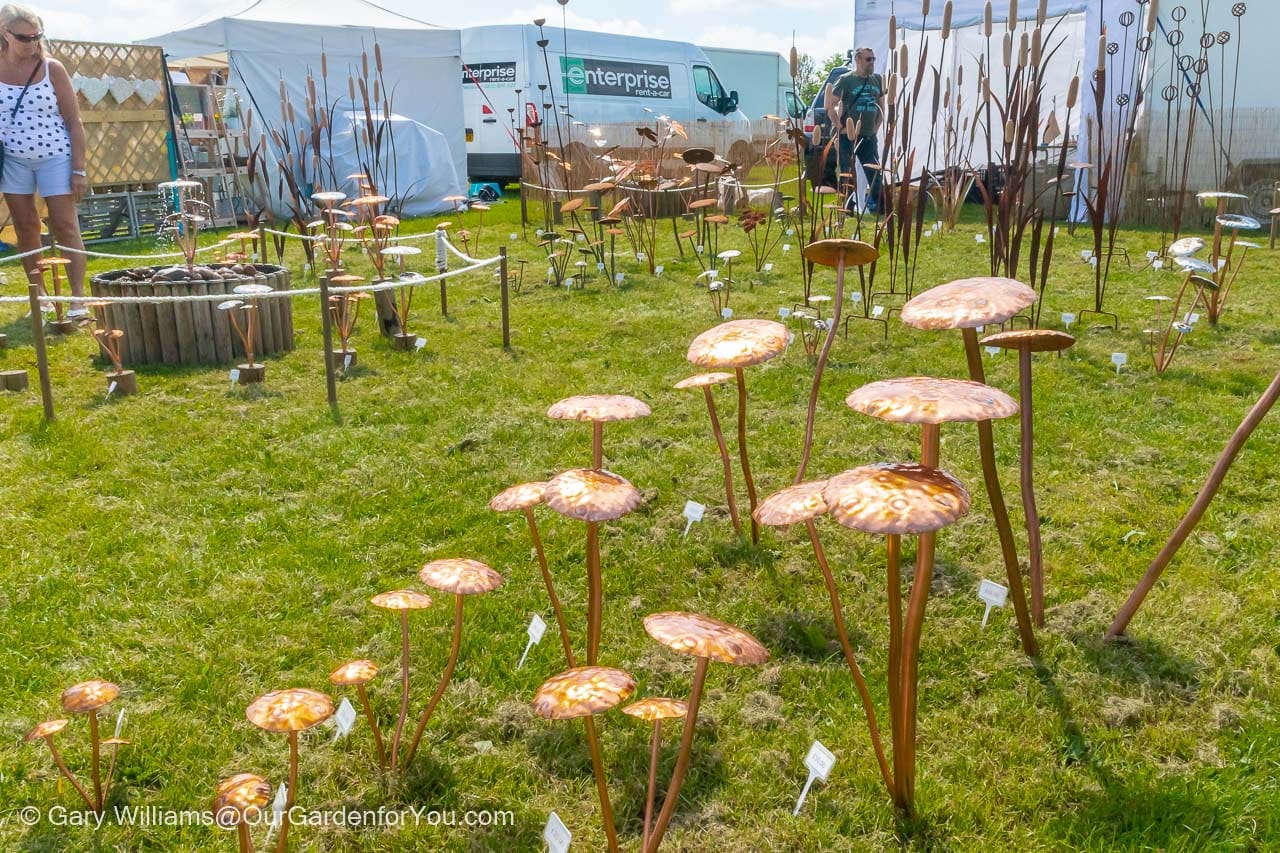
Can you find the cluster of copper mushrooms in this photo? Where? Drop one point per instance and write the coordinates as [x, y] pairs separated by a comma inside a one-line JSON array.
[[87, 698]]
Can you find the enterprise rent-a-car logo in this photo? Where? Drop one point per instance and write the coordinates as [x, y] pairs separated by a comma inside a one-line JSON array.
[[620, 79], [489, 74]]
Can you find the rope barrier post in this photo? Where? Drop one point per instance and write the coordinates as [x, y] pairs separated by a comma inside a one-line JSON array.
[[506, 298], [326, 325], [262, 243], [442, 266], [42, 357]]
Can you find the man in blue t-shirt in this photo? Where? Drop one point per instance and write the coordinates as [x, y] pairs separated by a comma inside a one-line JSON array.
[[859, 93]]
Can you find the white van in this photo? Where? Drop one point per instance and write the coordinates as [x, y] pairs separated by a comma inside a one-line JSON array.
[[601, 77]]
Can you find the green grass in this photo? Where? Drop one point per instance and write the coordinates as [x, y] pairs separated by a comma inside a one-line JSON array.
[[201, 544]]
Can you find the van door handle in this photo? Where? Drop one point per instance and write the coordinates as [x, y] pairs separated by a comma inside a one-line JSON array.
[[703, 120]]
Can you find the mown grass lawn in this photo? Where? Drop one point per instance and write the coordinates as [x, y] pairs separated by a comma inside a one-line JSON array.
[[202, 544]]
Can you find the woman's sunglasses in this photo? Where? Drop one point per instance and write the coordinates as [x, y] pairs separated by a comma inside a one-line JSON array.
[[26, 39]]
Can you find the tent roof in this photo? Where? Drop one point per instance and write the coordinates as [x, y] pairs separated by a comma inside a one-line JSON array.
[[361, 13]]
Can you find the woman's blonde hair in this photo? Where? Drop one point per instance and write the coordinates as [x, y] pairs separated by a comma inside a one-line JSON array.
[[13, 13]]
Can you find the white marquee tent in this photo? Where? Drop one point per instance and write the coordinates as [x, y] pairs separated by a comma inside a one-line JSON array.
[[275, 40]]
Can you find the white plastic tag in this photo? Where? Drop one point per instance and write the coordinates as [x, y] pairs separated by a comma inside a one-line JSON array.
[[111, 388], [536, 629], [1086, 254], [419, 343], [346, 362], [1068, 318], [700, 249], [344, 719], [790, 232], [600, 266], [618, 278], [693, 511], [538, 232], [568, 282], [768, 267], [119, 723], [978, 238], [556, 835], [726, 313], [235, 375], [657, 271], [992, 350], [1192, 319], [1152, 255], [818, 762], [856, 297], [784, 312], [877, 311], [993, 595], [640, 256], [1158, 264], [786, 247], [513, 236], [1119, 359], [1093, 262]]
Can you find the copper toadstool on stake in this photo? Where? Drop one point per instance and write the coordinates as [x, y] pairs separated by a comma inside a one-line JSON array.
[[599, 409], [88, 697], [238, 802], [358, 673], [45, 732], [290, 711], [706, 381], [654, 709], [401, 601]]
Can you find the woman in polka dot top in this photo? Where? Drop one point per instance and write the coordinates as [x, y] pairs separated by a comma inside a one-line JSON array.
[[44, 142]]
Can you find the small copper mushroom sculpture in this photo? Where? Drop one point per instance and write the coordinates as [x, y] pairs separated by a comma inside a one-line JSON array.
[[599, 409], [705, 381], [841, 254], [706, 639], [291, 711], [965, 305], [654, 709], [358, 673], [738, 344], [238, 801], [115, 743], [1026, 342], [592, 495], [402, 601], [893, 499], [86, 698], [525, 497], [461, 577], [45, 732], [803, 502], [583, 692]]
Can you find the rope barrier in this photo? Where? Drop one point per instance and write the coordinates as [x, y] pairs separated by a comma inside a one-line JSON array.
[[632, 189], [92, 253]]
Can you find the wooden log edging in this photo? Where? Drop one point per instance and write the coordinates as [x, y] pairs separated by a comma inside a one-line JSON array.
[[192, 333]]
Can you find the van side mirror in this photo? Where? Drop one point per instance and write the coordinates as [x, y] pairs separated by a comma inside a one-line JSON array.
[[733, 100]]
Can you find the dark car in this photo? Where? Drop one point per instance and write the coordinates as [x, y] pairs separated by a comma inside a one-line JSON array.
[[816, 116]]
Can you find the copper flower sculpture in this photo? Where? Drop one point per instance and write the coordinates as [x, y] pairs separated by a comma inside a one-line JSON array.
[[706, 381], [735, 345], [358, 673], [289, 711], [88, 698], [967, 304], [402, 601], [461, 577], [585, 691]]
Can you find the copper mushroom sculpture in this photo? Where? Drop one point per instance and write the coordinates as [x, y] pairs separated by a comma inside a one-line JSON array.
[[593, 496], [965, 305], [1026, 342], [461, 577], [290, 711], [706, 381], [599, 409], [524, 497], [45, 732], [358, 673], [840, 254], [802, 503], [706, 639], [735, 345], [87, 698], [894, 499], [401, 601], [654, 710], [583, 692], [238, 801]]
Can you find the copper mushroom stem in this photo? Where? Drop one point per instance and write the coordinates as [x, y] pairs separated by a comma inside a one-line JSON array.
[[373, 725], [454, 647], [682, 758], [655, 745], [742, 454], [45, 732], [551, 587], [595, 593], [404, 687], [724, 459], [1192, 518]]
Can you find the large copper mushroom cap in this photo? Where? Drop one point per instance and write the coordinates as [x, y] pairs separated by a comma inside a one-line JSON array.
[[519, 496], [1186, 263], [46, 729], [738, 343], [354, 672], [1239, 222], [460, 576], [926, 400], [588, 494], [896, 497], [694, 156], [793, 504], [241, 795], [402, 599], [967, 303], [1033, 340], [1214, 195], [290, 710], [88, 696], [704, 637], [828, 252], [700, 380], [1186, 246], [656, 708], [582, 691], [598, 407]]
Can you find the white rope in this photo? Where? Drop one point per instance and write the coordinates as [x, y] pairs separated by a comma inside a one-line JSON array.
[[415, 280], [634, 189], [293, 236], [8, 258], [142, 257]]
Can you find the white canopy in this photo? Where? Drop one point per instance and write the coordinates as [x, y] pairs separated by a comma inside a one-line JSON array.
[[278, 40]]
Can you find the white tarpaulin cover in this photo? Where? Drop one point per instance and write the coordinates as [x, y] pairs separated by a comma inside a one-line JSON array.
[[423, 174], [274, 40]]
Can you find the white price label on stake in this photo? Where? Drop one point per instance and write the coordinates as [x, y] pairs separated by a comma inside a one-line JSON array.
[[1152, 255], [856, 297], [768, 267], [791, 336], [786, 247], [1056, 229], [927, 233], [1086, 254], [791, 232], [1068, 318], [877, 310], [784, 313], [640, 256], [1119, 359], [600, 266], [1191, 319], [978, 238], [344, 719], [726, 313], [235, 375], [538, 232], [699, 249], [419, 343], [111, 388], [1222, 262], [556, 835], [551, 273], [818, 762], [568, 282], [991, 594], [1157, 264], [992, 350], [581, 238], [693, 511], [346, 362], [657, 271], [1093, 262], [536, 629], [513, 236], [119, 723], [618, 278], [281, 799], [979, 329], [937, 226]]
